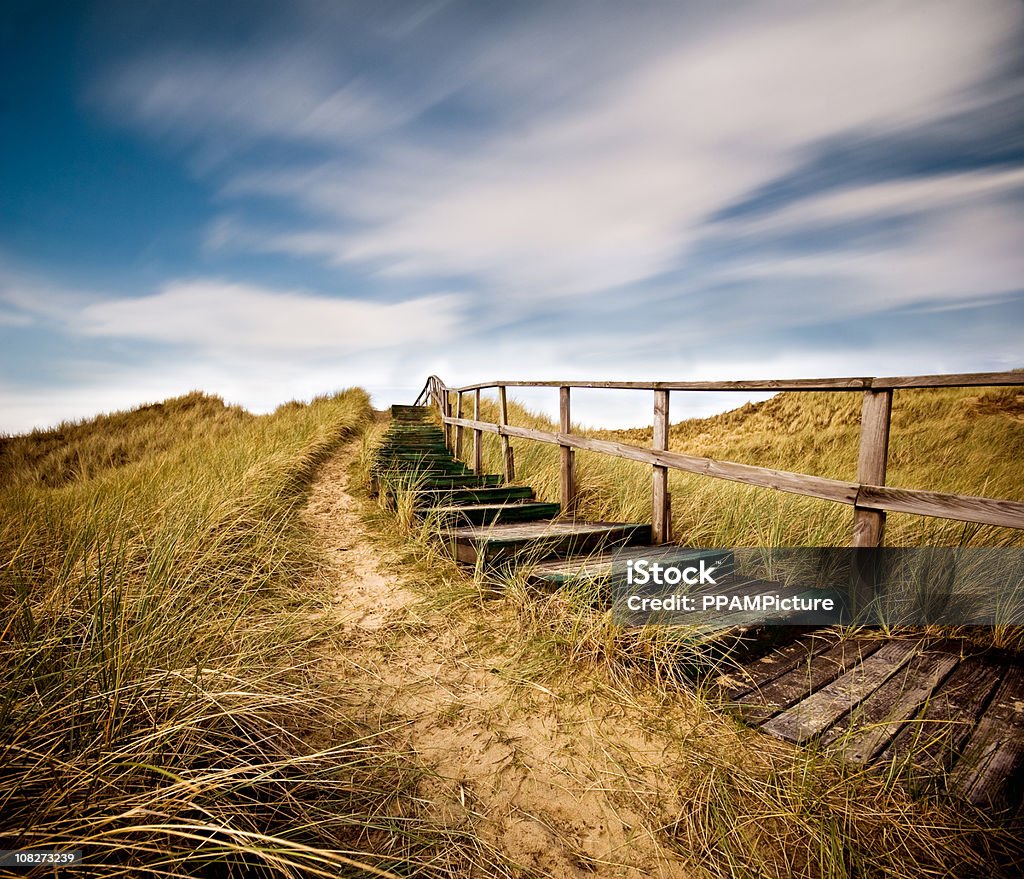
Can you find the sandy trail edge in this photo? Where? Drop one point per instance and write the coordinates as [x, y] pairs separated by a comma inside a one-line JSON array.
[[561, 782]]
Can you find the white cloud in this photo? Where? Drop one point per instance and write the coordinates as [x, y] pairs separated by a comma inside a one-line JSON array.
[[217, 314], [616, 185]]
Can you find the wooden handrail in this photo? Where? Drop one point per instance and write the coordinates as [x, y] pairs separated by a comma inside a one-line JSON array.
[[959, 380], [869, 495]]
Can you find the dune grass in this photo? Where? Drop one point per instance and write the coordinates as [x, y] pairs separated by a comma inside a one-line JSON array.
[[157, 705], [724, 799]]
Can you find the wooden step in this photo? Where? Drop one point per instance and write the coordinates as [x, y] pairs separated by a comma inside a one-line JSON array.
[[492, 544], [400, 411], [487, 514], [461, 496], [556, 572], [418, 462], [449, 481]]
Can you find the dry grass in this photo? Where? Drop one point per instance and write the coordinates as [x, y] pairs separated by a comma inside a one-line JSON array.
[[157, 706], [713, 798]]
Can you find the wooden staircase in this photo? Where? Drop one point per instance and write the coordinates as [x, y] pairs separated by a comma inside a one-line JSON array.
[[932, 710], [489, 521]]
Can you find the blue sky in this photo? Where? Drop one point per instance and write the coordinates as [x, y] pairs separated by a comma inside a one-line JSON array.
[[270, 201]]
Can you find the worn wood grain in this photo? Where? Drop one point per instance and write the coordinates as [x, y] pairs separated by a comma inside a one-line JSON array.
[[458, 427], [761, 703], [965, 508], [506, 447], [567, 462], [478, 437], [661, 513], [863, 733], [872, 458], [815, 714], [857, 383], [993, 759], [743, 679]]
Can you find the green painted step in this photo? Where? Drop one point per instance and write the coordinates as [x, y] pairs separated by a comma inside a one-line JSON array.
[[486, 514], [449, 481], [417, 457], [460, 496], [493, 544], [425, 472]]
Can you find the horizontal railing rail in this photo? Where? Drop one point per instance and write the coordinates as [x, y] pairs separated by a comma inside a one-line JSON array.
[[870, 497]]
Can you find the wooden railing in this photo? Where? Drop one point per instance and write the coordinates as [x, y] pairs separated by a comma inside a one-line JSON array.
[[870, 497]]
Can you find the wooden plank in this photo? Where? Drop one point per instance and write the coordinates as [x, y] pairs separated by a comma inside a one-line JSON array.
[[1005, 513], [774, 385], [953, 380], [873, 454], [763, 702], [794, 483], [459, 428], [506, 448], [661, 515], [782, 480], [486, 514], [863, 733], [542, 539], [966, 508], [812, 716], [993, 759], [478, 437], [856, 383], [567, 474], [929, 742], [756, 675], [445, 407]]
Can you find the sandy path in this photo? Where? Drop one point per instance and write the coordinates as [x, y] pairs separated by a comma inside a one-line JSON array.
[[557, 778]]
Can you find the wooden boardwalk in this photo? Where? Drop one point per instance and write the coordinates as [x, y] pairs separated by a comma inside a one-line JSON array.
[[942, 713], [938, 712]]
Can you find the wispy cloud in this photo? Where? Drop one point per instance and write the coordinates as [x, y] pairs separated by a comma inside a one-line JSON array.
[[219, 315], [617, 185]]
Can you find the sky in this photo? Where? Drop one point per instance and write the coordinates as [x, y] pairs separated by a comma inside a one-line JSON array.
[[270, 201]]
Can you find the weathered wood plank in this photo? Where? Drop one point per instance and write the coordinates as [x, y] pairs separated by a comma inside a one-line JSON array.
[[952, 380], [812, 716], [786, 690], [567, 469], [866, 730], [746, 678], [493, 543], [661, 514], [873, 454], [857, 383], [478, 437], [966, 508], [458, 428], [929, 742], [506, 447], [987, 511], [993, 758]]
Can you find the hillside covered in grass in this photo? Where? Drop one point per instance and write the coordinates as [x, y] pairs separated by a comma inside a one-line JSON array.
[[968, 441], [156, 708]]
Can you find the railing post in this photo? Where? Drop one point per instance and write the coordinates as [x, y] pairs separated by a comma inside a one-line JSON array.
[[873, 455], [869, 525], [567, 474], [446, 411], [506, 446], [661, 510], [458, 429], [478, 436]]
